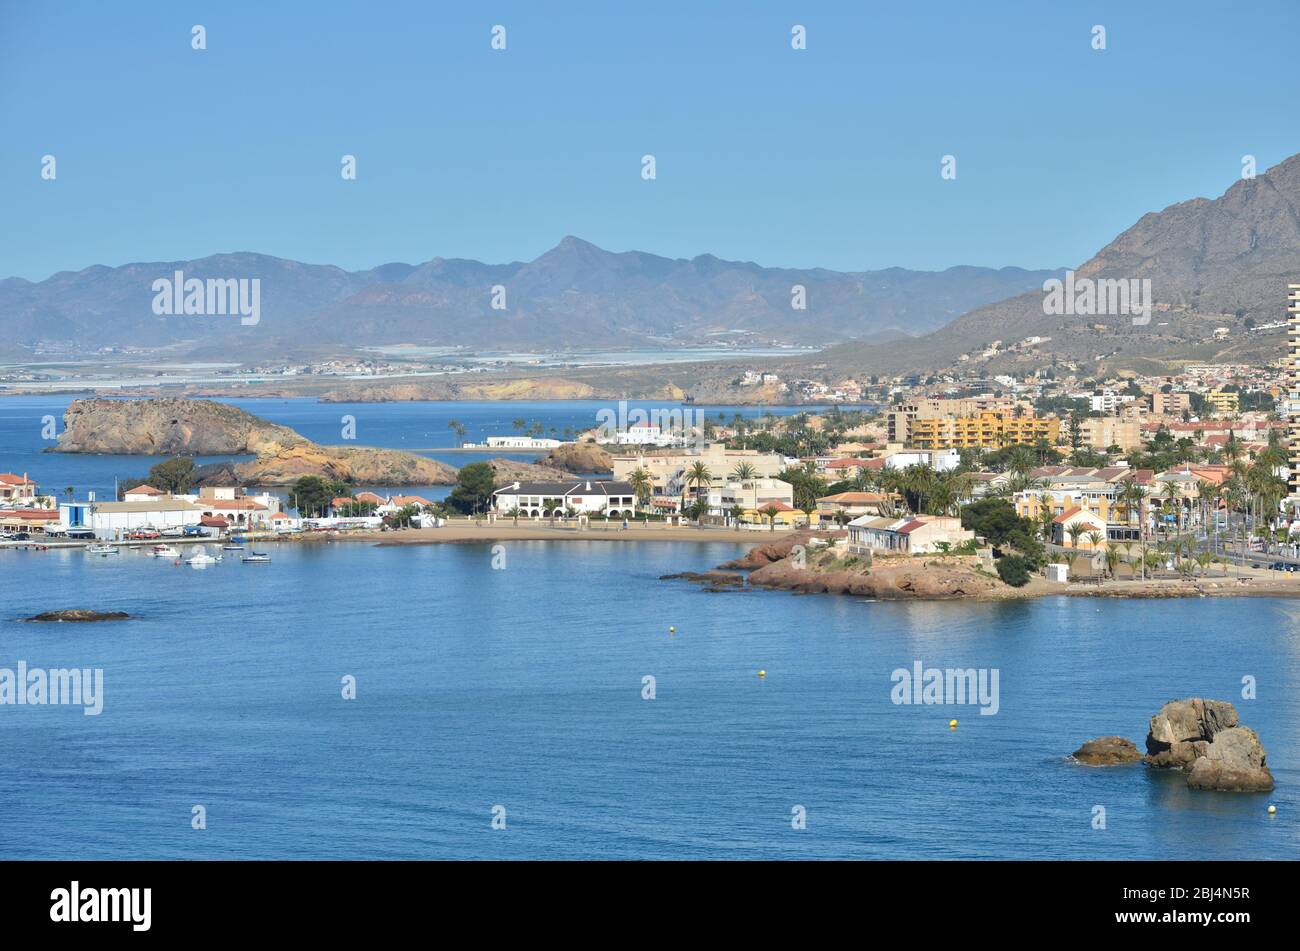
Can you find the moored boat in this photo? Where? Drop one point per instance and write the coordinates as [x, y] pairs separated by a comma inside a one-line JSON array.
[[164, 551], [101, 549], [256, 556], [201, 559]]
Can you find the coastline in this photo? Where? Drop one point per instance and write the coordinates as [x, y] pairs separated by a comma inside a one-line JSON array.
[[1253, 582]]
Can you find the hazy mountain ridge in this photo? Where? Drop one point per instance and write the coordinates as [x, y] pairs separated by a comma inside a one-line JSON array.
[[1211, 263], [575, 294]]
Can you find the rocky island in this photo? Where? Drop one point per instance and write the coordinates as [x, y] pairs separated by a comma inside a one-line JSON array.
[[202, 427]]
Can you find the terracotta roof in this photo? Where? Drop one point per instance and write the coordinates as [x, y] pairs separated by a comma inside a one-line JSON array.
[[31, 515], [144, 490], [403, 500], [8, 478], [846, 497], [240, 505], [776, 505], [275, 516], [213, 521], [845, 463]]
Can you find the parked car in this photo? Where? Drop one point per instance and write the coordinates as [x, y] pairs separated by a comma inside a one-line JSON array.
[[1277, 566]]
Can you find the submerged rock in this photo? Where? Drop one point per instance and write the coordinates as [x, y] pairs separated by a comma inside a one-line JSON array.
[[1204, 738], [79, 614], [1108, 751]]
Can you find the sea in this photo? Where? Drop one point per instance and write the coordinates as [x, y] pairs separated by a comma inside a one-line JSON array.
[[561, 700]]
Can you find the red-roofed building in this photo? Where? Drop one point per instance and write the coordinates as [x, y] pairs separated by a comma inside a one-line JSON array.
[[1088, 522], [16, 488], [143, 493]]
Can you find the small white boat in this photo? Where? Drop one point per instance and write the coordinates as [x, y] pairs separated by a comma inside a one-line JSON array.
[[232, 547], [201, 559], [101, 549], [164, 551], [256, 556]]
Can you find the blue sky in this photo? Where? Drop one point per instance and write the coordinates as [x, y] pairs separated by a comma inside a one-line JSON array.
[[828, 156]]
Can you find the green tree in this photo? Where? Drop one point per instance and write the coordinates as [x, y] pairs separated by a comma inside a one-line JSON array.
[[174, 476], [312, 495], [473, 490]]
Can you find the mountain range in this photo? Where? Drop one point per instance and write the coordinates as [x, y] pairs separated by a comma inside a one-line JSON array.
[[1214, 265], [575, 295]]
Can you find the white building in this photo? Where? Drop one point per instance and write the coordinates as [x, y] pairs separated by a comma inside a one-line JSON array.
[[513, 442], [586, 497], [112, 520], [942, 460]]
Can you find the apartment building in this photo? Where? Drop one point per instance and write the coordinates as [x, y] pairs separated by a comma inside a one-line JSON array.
[[1225, 402], [987, 430], [1170, 404], [901, 416], [1106, 431]]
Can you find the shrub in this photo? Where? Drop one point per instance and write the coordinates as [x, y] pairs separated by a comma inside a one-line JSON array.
[[1013, 570]]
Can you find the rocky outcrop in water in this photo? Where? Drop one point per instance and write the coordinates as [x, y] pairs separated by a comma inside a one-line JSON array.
[[164, 427], [202, 427], [359, 465], [1108, 751], [1204, 738], [80, 615], [580, 458], [505, 471]]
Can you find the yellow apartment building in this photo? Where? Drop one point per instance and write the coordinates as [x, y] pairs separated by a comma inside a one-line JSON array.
[[986, 430]]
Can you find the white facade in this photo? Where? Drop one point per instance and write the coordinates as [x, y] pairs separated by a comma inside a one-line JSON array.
[[941, 460], [513, 442], [586, 497], [112, 520]]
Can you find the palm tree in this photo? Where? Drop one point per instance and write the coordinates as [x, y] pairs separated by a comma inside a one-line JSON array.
[[698, 475], [736, 513], [745, 474], [456, 427], [642, 484], [1113, 558], [514, 514], [1076, 531], [1204, 559], [770, 511]]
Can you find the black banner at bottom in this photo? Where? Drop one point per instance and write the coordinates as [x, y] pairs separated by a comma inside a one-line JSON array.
[[87, 900]]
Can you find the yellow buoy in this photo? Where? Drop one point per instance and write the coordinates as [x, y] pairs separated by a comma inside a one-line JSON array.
[[762, 673], [1272, 810], [672, 630], [952, 724]]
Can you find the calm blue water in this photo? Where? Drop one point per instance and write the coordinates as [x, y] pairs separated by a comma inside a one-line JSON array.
[[522, 687], [414, 427]]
